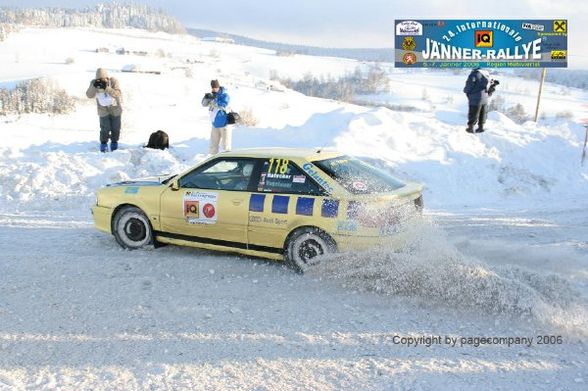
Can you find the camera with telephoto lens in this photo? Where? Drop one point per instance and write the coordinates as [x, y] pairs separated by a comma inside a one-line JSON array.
[[99, 83], [493, 84]]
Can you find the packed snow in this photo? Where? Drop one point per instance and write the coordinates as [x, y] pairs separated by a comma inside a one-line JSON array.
[[502, 251]]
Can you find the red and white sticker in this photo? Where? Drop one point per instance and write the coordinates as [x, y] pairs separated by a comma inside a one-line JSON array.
[[200, 207], [209, 211], [361, 186], [299, 179]]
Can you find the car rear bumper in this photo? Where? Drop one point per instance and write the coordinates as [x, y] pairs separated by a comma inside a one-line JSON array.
[[102, 218], [355, 243]]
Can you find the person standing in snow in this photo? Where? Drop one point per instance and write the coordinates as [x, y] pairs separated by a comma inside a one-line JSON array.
[[217, 102], [478, 88], [108, 96]]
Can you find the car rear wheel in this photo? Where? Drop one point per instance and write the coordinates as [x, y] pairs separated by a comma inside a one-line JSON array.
[[305, 248], [131, 228]]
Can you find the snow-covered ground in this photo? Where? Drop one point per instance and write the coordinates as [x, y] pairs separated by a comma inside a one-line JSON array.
[[503, 252]]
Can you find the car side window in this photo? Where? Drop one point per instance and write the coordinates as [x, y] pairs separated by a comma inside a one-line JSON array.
[[221, 174], [283, 176]]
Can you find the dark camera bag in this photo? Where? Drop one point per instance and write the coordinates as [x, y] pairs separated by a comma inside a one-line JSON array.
[[233, 118], [158, 140]]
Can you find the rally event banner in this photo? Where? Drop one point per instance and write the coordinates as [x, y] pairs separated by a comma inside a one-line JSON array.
[[485, 43]]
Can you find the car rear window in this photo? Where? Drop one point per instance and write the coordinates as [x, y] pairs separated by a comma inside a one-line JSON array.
[[357, 176]]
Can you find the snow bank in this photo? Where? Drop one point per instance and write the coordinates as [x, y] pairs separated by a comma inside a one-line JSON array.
[[45, 180]]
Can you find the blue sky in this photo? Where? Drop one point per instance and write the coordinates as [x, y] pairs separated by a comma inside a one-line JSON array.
[[351, 23]]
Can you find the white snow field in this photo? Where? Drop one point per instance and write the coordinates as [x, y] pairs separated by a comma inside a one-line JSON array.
[[491, 293]]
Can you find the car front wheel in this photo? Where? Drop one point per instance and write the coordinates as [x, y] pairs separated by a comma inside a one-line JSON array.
[[306, 246], [131, 228]]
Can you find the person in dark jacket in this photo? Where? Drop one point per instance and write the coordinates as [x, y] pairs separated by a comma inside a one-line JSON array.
[[476, 89], [108, 96], [217, 102]]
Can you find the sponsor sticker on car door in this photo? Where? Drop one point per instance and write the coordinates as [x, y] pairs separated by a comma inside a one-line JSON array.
[[200, 207]]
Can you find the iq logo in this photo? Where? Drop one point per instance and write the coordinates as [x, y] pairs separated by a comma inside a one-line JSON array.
[[191, 209], [483, 39]]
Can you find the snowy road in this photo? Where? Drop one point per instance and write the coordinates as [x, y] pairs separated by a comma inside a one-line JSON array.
[[78, 312], [546, 240]]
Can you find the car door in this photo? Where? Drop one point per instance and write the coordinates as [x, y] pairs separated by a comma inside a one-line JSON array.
[[210, 204], [285, 196]]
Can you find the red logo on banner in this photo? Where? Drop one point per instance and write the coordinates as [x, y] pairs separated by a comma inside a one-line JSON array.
[[409, 58]]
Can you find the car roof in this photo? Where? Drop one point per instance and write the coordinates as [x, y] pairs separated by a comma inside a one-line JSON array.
[[310, 154]]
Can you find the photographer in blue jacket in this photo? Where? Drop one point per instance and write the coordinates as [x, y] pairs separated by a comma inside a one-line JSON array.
[[217, 102]]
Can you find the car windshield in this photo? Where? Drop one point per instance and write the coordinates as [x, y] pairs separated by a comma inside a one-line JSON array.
[[357, 176]]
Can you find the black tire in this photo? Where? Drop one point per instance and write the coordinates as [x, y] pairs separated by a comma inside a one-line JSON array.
[[131, 228], [305, 247]]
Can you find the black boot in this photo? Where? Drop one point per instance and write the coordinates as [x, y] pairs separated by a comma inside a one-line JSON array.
[[480, 129], [470, 129]]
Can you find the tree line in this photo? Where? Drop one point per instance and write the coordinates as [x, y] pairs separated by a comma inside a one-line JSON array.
[[103, 15], [344, 88]]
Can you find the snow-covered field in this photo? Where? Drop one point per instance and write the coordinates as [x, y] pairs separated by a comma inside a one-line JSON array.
[[503, 251]]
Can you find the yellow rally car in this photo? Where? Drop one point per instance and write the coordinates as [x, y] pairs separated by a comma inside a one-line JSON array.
[[278, 203]]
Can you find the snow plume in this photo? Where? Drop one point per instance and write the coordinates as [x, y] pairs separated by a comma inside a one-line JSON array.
[[429, 267]]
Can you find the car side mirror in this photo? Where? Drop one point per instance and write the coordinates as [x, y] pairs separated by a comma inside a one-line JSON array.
[[175, 185]]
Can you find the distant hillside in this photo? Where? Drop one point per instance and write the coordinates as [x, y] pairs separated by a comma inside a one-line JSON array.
[[103, 15], [566, 77], [375, 54], [577, 78]]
